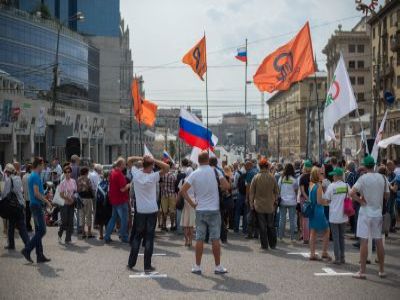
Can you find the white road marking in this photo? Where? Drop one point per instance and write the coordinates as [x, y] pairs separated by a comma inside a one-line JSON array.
[[331, 272], [155, 254], [148, 275], [304, 254]]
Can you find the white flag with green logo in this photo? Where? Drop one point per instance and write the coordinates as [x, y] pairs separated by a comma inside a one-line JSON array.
[[340, 100]]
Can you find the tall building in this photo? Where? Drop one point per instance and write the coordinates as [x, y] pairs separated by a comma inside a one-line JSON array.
[[102, 17], [292, 115], [28, 52], [385, 41], [355, 46]]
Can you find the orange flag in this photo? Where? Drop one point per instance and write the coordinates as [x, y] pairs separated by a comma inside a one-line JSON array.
[[196, 58], [288, 64], [137, 99], [149, 113]]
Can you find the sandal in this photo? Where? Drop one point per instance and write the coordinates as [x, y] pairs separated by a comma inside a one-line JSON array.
[[326, 257], [382, 274], [315, 258], [359, 275]]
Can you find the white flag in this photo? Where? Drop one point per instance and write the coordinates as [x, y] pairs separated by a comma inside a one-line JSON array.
[[147, 151], [393, 140], [378, 138], [340, 100]]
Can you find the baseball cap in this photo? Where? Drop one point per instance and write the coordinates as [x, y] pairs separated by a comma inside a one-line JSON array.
[[336, 172], [368, 161]]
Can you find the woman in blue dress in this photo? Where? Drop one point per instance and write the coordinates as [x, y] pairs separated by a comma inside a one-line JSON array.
[[318, 222]]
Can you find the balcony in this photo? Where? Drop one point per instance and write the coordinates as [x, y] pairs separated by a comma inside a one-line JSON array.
[[395, 42]]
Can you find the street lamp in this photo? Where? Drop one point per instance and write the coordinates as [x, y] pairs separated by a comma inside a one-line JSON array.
[[366, 9], [77, 17]]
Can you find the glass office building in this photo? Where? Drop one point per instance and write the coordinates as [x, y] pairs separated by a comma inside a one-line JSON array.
[[28, 53], [102, 17]]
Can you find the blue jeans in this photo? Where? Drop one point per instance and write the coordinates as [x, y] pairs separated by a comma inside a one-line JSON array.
[[19, 222], [240, 208], [208, 220], [40, 231], [144, 228], [120, 210], [282, 220]]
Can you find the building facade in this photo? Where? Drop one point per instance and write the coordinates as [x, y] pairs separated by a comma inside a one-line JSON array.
[[292, 115], [28, 52], [355, 46], [385, 43]]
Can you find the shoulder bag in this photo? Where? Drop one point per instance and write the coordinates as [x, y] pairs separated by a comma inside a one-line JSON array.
[[348, 208], [9, 205]]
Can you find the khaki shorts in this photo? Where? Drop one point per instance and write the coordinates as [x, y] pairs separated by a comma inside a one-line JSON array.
[[168, 204]]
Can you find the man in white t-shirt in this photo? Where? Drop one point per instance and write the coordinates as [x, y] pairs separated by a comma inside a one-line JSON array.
[[374, 189], [204, 185], [145, 186], [335, 195]]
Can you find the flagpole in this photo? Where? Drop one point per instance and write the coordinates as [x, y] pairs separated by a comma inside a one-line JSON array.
[[205, 55], [245, 105], [363, 136]]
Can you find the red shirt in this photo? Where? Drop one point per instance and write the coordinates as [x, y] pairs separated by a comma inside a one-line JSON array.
[[117, 182]]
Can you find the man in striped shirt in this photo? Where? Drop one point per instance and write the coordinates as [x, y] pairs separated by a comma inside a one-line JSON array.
[[168, 198]]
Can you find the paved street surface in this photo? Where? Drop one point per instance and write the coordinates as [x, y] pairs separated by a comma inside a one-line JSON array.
[[92, 270]]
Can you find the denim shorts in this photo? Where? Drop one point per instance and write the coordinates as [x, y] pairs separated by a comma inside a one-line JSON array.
[[210, 219]]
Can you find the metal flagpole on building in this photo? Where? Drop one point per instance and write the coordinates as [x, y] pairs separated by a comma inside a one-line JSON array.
[[245, 104]]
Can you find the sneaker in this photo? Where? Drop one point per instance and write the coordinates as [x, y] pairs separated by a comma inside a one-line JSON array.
[[27, 255], [42, 259], [382, 274], [149, 270], [108, 241], [9, 247], [220, 270], [196, 270]]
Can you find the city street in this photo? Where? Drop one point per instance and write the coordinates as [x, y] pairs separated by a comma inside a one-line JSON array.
[[92, 270]]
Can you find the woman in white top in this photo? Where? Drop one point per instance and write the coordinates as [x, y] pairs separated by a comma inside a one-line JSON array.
[[288, 200]]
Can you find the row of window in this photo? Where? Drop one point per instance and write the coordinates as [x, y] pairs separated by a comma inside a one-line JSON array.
[[360, 64], [360, 80], [360, 48], [393, 19]]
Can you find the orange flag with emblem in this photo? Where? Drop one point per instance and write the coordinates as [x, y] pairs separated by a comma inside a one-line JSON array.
[[145, 111], [137, 98], [288, 64], [196, 58], [149, 113]]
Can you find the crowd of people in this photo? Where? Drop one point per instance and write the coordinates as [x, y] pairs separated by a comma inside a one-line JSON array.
[[207, 200]]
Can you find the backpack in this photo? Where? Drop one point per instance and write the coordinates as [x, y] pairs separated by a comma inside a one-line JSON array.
[[242, 183], [102, 193], [9, 205]]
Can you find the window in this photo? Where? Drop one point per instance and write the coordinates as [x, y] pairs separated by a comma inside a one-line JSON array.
[[373, 53], [360, 48], [361, 112], [360, 80], [373, 32], [352, 80], [352, 114], [398, 82], [360, 64], [352, 48], [352, 64], [360, 97]]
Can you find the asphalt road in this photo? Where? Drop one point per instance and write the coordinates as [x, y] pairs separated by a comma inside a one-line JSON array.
[[92, 270]]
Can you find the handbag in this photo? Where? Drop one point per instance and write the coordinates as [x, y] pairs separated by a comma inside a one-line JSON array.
[[180, 202], [9, 205], [57, 199], [348, 208], [308, 208], [78, 201]]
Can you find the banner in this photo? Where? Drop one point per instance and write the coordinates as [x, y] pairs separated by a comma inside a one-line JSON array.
[[196, 58]]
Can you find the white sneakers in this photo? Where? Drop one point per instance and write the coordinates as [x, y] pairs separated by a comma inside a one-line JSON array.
[[218, 270]]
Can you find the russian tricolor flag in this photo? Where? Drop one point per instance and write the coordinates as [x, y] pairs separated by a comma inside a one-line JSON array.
[[242, 54], [166, 156], [194, 133]]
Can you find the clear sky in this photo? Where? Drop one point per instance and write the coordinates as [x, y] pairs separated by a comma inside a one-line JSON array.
[[162, 31]]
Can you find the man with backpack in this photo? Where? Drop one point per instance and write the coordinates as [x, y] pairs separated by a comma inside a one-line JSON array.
[[240, 203]]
